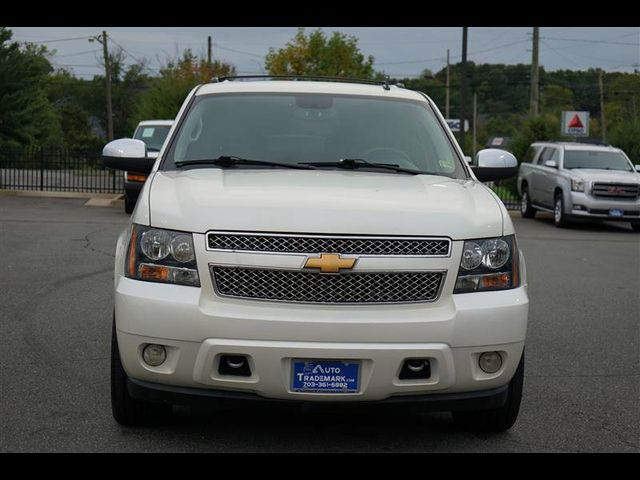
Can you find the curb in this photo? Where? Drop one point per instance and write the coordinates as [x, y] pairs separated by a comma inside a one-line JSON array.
[[93, 199]]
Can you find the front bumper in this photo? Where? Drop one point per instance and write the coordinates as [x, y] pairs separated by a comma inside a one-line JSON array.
[[598, 208], [197, 330], [159, 393]]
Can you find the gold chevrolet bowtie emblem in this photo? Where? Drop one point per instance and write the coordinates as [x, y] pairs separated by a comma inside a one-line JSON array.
[[329, 262]]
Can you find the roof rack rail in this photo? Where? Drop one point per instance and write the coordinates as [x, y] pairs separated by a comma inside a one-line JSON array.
[[384, 83]]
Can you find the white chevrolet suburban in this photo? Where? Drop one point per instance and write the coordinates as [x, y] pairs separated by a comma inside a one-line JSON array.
[[317, 241]]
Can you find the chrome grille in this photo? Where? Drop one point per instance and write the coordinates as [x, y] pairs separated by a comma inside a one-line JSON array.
[[434, 247], [616, 190], [313, 287]]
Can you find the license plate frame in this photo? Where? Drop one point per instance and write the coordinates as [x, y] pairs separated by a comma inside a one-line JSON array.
[[616, 212], [325, 376]]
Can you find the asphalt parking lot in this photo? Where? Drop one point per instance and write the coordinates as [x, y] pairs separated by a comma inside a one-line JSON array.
[[582, 377]]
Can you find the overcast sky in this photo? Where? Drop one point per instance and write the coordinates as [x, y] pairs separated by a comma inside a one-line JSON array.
[[399, 51]]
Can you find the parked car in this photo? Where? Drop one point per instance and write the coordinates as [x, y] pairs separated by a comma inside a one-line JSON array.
[[317, 241], [577, 181], [153, 133]]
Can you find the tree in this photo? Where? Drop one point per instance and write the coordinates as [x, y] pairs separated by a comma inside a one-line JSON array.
[[317, 55], [127, 89], [167, 93], [70, 98], [555, 98], [623, 114], [429, 84], [546, 126], [26, 115]]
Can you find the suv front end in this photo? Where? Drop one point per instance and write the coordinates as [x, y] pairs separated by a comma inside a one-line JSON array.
[[367, 287]]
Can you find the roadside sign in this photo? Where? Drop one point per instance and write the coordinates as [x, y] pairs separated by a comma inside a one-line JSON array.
[[575, 124], [454, 124]]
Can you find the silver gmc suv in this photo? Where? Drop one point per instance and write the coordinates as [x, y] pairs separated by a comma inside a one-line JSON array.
[[579, 181]]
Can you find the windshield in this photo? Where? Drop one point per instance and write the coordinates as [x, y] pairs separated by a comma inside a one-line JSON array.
[[152, 135], [596, 160], [294, 128]]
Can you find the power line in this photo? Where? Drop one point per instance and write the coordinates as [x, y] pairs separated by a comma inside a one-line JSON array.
[[77, 53], [455, 56], [134, 58], [73, 64], [58, 40], [606, 42], [217, 45], [558, 53]]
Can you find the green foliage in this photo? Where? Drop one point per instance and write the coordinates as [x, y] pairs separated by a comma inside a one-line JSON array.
[[556, 98], [503, 103], [583, 85], [26, 116], [317, 55], [167, 93], [428, 84], [623, 114], [132, 85], [541, 128], [70, 97], [626, 135]]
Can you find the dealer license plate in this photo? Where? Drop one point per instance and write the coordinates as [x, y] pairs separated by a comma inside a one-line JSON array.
[[326, 376]]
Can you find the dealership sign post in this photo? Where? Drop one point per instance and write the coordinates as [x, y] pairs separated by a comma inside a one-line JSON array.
[[575, 124]]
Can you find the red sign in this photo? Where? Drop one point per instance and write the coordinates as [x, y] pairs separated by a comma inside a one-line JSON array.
[[575, 122]]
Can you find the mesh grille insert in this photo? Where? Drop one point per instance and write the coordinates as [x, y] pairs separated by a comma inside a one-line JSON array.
[[344, 245], [314, 287]]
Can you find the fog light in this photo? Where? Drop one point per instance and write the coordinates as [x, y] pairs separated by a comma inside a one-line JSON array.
[[154, 355], [490, 362]]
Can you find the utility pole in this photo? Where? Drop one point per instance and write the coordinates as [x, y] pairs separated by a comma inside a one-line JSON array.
[[475, 118], [102, 39], [209, 50], [446, 105], [602, 120], [463, 86], [535, 80]]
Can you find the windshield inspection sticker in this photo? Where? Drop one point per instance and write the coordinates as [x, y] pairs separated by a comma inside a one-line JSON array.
[[325, 376], [147, 132]]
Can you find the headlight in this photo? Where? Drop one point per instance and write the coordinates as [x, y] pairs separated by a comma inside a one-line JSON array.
[[577, 185], [488, 264], [158, 255]]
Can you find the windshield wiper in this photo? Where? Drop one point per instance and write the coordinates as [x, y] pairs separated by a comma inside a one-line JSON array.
[[354, 163], [231, 161]]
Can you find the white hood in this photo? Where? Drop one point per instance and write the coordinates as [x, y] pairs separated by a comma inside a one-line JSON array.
[[329, 202]]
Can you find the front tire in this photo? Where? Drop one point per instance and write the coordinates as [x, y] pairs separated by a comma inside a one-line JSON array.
[[526, 210], [498, 419], [559, 217], [127, 410], [635, 226]]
